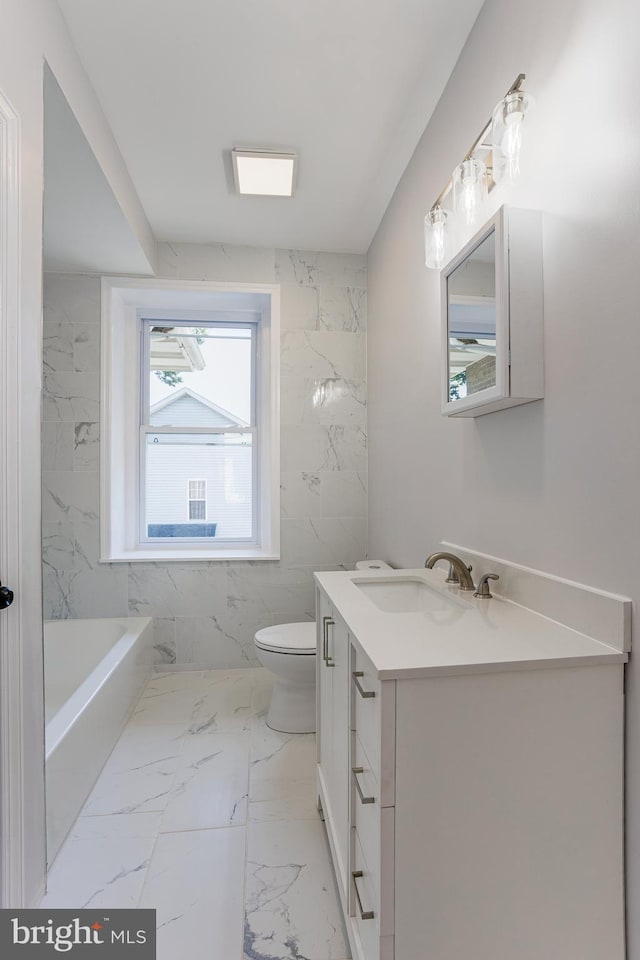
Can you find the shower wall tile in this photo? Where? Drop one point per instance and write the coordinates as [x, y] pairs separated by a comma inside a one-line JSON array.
[[86, 348], [343, 308], [164, 640], [71, 298], [57, 346], [71, 396], [321, 353], [57, 445], [322, 400], [218, 261], [343, 493], [206, 614], [70, 496], [212, 643], [101, 592], [300, 307], [300, 494], [318, 447], [338, 402], [176, 589], [327, 540], [86, 446]]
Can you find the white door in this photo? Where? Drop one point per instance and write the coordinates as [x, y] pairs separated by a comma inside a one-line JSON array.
[[22, 834]]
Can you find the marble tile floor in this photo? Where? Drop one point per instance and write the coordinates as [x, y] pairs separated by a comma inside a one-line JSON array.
[[207, 815]]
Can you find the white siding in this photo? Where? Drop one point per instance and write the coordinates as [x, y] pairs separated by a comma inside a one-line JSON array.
[[187, 411], [228, 472]]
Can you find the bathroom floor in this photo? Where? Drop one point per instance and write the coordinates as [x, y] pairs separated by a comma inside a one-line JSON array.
[[207, 815]]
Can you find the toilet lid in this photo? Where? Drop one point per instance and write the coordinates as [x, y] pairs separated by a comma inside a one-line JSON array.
[[288, 638]]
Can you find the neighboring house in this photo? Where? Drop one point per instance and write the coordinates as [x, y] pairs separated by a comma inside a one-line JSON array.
[[197, 484]]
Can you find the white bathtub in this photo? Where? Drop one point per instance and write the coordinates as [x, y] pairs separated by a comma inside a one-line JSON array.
[[94, 673]]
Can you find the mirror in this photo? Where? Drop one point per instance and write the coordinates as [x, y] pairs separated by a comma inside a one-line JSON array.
[[471, 321]]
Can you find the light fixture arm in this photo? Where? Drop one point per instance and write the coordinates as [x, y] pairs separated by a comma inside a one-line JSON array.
[[514, 88]]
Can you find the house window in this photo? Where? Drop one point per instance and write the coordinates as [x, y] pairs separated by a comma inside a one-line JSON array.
[[190, 386], [197, 499]]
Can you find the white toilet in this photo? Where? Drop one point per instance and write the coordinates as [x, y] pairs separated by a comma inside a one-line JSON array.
[[289, 651]]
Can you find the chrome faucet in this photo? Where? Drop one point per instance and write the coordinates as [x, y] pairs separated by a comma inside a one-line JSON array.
[[461, 569]]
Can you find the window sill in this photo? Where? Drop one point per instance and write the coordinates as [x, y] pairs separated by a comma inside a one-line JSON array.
[[190, 556]]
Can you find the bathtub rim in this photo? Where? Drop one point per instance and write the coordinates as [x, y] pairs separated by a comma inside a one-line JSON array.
[[64, 719]]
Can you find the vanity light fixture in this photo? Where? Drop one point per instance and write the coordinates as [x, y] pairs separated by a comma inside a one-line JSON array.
[[469, 188], [493, 157], [264, 173], [435, 228], [506, 135]]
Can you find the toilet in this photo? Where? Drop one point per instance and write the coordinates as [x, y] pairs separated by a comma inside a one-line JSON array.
[[289, 651]]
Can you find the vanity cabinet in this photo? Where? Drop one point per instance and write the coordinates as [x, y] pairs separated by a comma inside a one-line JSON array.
[[475, 815]]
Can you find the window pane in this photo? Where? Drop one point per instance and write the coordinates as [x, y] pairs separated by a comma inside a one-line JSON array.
[[224, 461], [199, 376], [197, 489], [197, 510]]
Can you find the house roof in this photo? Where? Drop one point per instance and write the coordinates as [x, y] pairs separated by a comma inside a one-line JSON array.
[[185, 392]]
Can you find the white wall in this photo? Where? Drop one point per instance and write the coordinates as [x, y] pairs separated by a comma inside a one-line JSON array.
[[554, 484]]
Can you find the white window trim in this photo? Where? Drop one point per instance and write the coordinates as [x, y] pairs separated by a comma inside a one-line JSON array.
[[122, 300]]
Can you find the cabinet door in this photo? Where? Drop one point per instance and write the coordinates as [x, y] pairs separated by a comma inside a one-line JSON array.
[[339, 654], [324, 695]]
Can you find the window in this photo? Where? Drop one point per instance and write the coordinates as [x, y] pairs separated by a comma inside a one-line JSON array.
[[189, 438], [197, 500]]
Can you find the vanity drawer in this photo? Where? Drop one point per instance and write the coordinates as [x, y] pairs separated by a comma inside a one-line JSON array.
[[374, 827], [373, 719], [367, 930]]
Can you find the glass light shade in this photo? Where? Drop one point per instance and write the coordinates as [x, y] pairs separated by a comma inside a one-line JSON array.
[[435, 238], [469, 189], [506, 135]]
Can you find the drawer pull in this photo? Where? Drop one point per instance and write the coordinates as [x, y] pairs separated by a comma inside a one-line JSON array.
[[355, 771], [363, 693], [364, 914], [326, 622]]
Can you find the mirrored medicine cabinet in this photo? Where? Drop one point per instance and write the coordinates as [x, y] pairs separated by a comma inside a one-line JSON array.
[[492, 317]]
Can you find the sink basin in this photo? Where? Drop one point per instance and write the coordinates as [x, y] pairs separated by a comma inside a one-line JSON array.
[[404, 596]]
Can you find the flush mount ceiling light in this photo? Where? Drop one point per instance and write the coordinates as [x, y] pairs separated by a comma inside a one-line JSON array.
[[264, 173], [493, 157]]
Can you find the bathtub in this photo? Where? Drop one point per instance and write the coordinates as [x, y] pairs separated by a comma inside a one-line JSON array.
[[94, 673]]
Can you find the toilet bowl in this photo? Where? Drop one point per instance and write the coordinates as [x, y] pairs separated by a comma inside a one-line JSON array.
[[289, 651]]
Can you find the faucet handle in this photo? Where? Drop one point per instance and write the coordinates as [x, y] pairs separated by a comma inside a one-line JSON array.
[[483, 586]]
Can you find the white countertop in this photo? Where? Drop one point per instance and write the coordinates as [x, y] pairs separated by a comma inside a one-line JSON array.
[[472, 636]]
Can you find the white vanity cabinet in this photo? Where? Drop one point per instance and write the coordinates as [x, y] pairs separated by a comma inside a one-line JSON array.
[[473, 814]]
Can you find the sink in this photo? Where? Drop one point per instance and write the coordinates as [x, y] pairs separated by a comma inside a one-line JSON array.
[[404, 596]]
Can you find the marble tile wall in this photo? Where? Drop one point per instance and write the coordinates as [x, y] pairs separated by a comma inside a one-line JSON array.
[[205, 614]]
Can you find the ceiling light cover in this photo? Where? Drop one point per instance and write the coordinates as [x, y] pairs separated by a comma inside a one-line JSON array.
[[263, 173]]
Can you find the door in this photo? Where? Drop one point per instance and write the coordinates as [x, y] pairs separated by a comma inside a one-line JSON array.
[[22, 831]]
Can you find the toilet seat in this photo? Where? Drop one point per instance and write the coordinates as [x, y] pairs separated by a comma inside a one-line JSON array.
[[294, 639]]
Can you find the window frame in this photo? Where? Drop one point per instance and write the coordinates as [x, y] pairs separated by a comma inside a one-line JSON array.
[[145, 323], [126, 302]]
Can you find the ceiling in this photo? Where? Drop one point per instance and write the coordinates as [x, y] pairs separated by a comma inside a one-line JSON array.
[[349, 86]]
